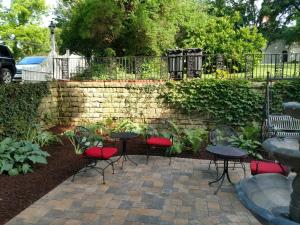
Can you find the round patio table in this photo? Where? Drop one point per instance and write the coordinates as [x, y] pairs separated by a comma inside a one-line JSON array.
[[124, 137], [226, 153]]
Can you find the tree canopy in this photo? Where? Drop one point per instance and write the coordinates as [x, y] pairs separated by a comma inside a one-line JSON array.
[[282, 19], [122, 27], [20, 28], [276, 19]]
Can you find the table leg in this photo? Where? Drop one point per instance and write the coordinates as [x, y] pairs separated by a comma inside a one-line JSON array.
[[124, 155], [222, 177]]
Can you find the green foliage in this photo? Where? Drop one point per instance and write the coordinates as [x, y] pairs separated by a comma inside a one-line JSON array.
[[90, 27], [20, 28], [284, 91], [249, 145], [18, 156], [247, 10], [283, 20], [224, 101], [19, 108], [129, 126], [194, 138], [222, 36], [37, 135], [85, 142], [251, 131], [190, 139]]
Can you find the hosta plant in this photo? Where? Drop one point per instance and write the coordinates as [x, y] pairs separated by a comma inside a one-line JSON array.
[[249, 145], [17, 157]]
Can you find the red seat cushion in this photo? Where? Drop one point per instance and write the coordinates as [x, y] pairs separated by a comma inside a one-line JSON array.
[[259, 167], [159, 141], [101, 153]]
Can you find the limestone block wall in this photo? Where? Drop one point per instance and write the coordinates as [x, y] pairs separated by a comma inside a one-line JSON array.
[[92, 101]]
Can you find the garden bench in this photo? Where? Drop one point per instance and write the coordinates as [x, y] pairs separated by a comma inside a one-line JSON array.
[[282, 126]]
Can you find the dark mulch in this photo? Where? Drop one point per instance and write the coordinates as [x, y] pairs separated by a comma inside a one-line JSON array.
[[19, 192]]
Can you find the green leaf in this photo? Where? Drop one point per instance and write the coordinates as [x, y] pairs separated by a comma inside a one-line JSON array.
[[5, 166], [26, 168], [13, 172], [38, 159]]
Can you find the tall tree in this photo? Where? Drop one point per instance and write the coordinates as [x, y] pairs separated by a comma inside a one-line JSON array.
[[137, 27], [280, 19], [91, 26], [20, 27], [247, 9]]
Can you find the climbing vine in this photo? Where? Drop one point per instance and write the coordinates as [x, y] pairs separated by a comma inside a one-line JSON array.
[[19, 107], [232, 102], [284, 91]]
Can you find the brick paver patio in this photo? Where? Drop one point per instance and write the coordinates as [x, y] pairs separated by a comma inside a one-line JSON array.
[[153, 194]]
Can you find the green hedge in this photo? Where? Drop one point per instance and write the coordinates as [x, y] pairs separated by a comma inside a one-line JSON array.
[[284, 91], [19, 107], [232, 102]]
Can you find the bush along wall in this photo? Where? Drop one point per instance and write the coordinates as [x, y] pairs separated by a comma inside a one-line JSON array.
[[284, 91], [19, 107], [232, 102]]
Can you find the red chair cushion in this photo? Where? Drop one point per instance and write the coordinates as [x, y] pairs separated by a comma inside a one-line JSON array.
[[159, 141], [259, 167], [101, 153]]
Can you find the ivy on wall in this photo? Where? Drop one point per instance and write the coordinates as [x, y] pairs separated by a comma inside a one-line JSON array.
[[19, 107], [284, 91], [232, 102], [144, 93]]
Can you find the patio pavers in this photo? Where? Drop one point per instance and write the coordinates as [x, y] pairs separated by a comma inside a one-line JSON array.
[[142, 195]]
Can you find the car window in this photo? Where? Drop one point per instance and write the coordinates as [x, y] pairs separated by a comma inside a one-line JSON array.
[[4, 52], [31, 60]]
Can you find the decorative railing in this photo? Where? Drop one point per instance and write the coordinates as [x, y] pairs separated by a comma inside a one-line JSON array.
[[249, 66]]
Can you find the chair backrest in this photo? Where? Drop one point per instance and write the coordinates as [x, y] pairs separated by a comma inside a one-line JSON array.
[[82, 136], [220, 135]]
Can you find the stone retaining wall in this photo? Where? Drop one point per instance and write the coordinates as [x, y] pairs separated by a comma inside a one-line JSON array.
[[74, 102]]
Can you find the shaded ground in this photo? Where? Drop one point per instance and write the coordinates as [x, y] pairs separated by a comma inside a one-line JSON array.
[[19, 192]]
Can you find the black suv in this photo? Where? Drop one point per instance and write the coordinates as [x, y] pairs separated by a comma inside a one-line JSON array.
[[7, 65]]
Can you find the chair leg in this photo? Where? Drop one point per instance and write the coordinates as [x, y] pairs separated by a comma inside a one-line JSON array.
[[147, 152], [244, 168], [103, 178], [170, 158], [209, 164], [113, 168]]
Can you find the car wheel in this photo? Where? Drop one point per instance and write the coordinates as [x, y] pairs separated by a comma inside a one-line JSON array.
[[5, 76]]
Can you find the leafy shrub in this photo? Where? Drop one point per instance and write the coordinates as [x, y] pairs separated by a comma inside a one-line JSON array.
[[18, 156], [251, 131], [194, 138], [284, 91], [221, 74], [37, 135], [85, 142], [19, 107], [249, 145], [224, 101], [129, 126]]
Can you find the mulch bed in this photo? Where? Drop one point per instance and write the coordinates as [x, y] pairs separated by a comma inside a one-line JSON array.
[[19, 192]]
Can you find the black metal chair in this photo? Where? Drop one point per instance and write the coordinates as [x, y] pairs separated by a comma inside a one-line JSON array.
[[93, 151], [221, 135]]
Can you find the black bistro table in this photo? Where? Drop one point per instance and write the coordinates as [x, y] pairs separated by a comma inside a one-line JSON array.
[[124, 137], [226, 153]]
